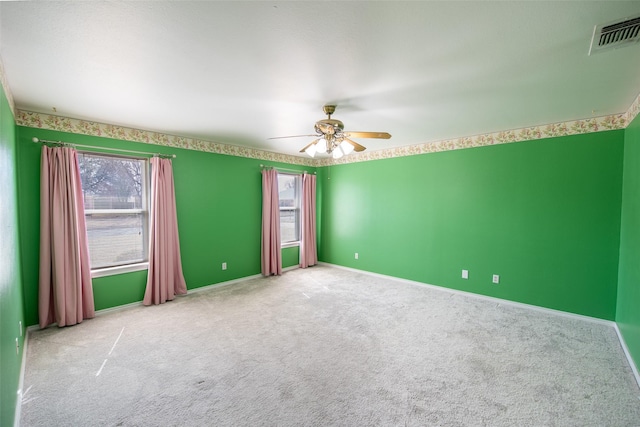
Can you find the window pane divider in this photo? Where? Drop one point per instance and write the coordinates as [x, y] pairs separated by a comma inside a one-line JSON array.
[[114, 211]]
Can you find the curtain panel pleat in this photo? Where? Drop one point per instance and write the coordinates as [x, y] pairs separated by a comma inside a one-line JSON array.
[[271, 256], [165, 279], [308, 246], [65, 290]]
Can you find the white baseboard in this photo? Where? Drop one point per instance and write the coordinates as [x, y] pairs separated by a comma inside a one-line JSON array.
[[623, 343], [23, 364], [189, 291], [194, 290], [551, 311], [223, 284], [480, 296], [117, 308], [234, 281]]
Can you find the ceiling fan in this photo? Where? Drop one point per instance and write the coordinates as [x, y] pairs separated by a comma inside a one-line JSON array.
[[333, 139]]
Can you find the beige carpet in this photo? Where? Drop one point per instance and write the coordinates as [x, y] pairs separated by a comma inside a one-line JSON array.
[[329, 347]]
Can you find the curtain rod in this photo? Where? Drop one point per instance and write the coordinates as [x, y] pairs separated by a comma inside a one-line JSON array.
[[282, 169], [46, 141]]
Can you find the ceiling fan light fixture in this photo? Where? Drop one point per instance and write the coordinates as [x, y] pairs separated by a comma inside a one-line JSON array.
[[337, 152], [321, 146], [346, 147], [311, 150]]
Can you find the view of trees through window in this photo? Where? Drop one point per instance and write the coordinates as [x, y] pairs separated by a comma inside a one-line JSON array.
[[289, 196], [114, 191]]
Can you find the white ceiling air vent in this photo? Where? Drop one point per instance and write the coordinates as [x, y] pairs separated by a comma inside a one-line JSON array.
[[615, 34]]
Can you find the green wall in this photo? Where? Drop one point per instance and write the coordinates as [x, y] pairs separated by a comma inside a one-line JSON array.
[[290, 256], [544, 215], [219, 201], [628, 309], [11, 302]]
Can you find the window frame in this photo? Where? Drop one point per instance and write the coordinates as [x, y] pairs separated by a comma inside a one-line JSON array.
[[144, 210], [297, 209]]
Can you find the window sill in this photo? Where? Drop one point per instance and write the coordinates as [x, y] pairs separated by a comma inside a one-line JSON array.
[[110, 271], [289, 245]]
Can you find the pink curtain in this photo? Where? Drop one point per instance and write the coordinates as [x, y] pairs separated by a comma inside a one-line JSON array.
[[308, 250], [271, 255], [165, 279], [65, 290]]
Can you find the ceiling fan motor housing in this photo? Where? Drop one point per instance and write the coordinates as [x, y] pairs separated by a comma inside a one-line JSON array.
[[329, 126]]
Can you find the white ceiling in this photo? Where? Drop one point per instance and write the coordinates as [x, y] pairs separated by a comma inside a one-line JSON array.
[[241, 72]]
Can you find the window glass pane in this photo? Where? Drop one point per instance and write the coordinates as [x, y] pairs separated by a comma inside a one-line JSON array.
[[287, 190], [116, 239], [288, 226], [111, 182]]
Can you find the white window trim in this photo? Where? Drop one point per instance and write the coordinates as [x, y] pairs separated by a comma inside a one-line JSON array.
[[290, 244], [298, 209], [113, 211], [120, 269], [138, 266]]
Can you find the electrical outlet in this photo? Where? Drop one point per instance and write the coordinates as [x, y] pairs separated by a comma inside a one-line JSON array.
[[17, 347], [224, 265], [357, 256], [496, 278], [465, 274]]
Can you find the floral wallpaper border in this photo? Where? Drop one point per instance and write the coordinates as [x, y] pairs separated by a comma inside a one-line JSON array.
[[65, 124], [596, 124], [5, 86]]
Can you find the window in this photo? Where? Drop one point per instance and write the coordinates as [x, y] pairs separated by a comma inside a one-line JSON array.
[[289, 190], [115, 191]]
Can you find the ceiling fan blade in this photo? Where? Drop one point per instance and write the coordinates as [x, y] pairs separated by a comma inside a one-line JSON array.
[[292, 136], [356, 147], [312, 143], [379, 135]]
